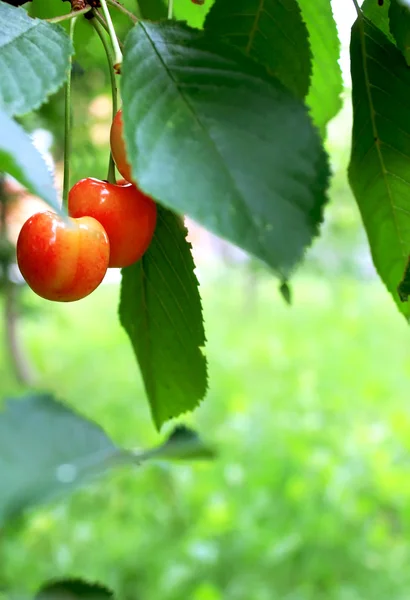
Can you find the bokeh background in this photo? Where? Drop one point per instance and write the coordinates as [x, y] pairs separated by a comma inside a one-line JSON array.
[[309, 498]]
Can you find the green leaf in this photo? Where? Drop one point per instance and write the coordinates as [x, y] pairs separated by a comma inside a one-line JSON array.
[[403, 288], [286, 292], [399, 18], [161, 311], [379, 165], [48, 450], [182, 444], [326, 86], [211, 135], [269, 31], [45, 450], [153, 9], [34, 58], [378, 14], [73, 589], [21, 159]]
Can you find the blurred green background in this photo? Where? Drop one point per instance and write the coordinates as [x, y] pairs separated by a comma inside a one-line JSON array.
[[309, 498]]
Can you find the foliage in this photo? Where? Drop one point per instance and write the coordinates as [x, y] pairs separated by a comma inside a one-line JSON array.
[[53, 450], [380, 150], [19, 158], [167, 346], [252, 27], [272, 200]]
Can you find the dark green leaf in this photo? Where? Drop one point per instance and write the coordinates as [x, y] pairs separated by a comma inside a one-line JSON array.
[[182, 444], [211, 135], [269, 31], [46, 450], [326, 86], [34, 58], [73, 589], [378, 14], [161, 311], [153, 9], [404, 285], [379, 166], [21, 159], [286, 292], [399, 18]]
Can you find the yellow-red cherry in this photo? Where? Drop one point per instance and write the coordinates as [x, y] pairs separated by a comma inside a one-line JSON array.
[[126, 213], [61, 258], [118, 147]]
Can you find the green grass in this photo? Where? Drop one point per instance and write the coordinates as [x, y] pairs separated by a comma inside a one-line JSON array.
[[310, 496]]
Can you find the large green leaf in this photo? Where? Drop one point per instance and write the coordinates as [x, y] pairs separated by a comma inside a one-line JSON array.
[[34, 58], [161, 311], [379, 167], [48, 450], [21, 159], [45, 450], [378, 14], [211, 135], [326, 86], [399, 19], [269, 31]]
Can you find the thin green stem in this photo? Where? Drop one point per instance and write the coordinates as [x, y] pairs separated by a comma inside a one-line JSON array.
[[170, 9], [71, 15], [99, 29], [67, 125], [103, 22], [356, 5], [113, 36], [124, 10]]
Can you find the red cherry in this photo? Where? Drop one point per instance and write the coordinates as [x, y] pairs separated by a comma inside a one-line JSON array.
[[118, 147], [62, 259], [127, 215]]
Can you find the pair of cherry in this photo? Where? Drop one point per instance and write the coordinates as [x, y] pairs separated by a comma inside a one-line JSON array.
[[109, 225]]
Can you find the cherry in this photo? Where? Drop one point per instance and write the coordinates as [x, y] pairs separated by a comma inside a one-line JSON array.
[[60, 258], [118, 147], [127, 215]]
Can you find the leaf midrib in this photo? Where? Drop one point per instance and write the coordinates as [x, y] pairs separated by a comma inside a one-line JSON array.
[[376, 136]]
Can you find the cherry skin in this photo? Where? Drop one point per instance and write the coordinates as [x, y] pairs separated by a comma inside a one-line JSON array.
[[60, 258], [118, 147], [127, 215]]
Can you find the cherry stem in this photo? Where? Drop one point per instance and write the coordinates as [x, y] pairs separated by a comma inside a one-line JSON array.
[[71, 15], [116, 47], [67, 124], [170, 9], [124, 10], [99, 29], [103, 22]]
